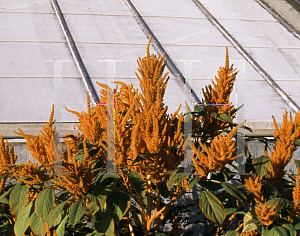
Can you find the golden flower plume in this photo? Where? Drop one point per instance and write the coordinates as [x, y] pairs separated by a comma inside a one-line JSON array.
[[283, 151], [296, 194], [7, 157], [42, 146], [151, 132], [253, 185], [266, 214], [218, 95], [79, 180], [220, 152]]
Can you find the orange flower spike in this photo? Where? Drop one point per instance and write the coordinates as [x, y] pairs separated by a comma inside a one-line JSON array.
[[296, 192], [266, 214], [254, 186]]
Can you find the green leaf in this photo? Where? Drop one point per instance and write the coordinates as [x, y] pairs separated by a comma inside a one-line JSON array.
[[118, 205], [248, 227], [260, 165], [176, 179], [172, 173], [231, 233], [163, 189], [297, 226], [98, 198], [93, 208], [104, 223], [36, 223], [198, 109], [279, 203], [194, 181], [278, 231], [18, 198], [211, 207], [22, 222], [234, 191], [225, 117], [297, 162], [222, 117], [60, 231], [138, 183], [297, 141], [76, 211], [55, 213], [45, 202], [229, 211], [57, 221], [5, 196]]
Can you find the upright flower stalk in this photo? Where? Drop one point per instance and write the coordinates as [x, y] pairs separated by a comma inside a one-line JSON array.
[[285, 146]]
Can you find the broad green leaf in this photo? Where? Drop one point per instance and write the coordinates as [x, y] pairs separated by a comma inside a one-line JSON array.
[[5, 196], [104, 223], [57, 221], [279, 203], [98, 198], [45, 202], [138, 182], [198, 109], [172, 173], [248, 227], [163, 189], [18, 198], [194, 181], [55, 213], [234, 191], [231, 233], [22, 222], [36, 223], [289, 225], [297, 226], [212, 207], [60, 231], [104, 177], [229, 211], [118, 205], [93, 208], [175, 179], [260, 165], [225, 117], [297, 141], [76, 211], [222, 117], [297, 162], [136, 214], [278, 231]]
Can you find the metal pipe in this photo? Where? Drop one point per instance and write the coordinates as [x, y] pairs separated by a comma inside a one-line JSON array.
[[279, 18], [246, 55], [74, 51], [181, 80]]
